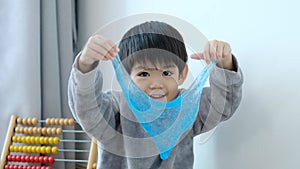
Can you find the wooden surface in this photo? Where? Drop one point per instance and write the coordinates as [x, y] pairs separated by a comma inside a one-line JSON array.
[[7, 143], [93, 154]]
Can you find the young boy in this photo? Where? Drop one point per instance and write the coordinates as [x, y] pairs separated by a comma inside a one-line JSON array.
[[122, 142]]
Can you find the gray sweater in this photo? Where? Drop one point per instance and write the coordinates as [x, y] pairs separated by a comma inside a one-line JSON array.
[[122, 142]]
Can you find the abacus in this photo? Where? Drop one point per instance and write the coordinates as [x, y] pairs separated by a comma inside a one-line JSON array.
[[39, 143]]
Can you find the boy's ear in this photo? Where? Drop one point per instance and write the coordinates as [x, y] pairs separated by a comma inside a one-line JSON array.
[[183, 74]]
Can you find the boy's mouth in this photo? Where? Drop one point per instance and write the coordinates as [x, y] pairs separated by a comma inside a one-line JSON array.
[[157, 96], [161, 96]]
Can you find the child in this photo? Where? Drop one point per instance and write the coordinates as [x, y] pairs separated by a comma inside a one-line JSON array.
[[122, 141]]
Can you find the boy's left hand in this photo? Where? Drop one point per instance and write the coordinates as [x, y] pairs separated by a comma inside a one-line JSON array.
[[218, 51]]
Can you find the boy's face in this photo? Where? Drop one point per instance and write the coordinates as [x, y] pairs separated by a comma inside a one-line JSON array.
[[160, 81]]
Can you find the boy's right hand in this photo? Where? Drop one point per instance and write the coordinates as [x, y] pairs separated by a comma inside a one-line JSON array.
[[97, 48]]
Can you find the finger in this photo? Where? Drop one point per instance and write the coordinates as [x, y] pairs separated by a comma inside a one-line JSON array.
[[213, 50], [91, 56], [219, 51], [227, 50], [107, 45], [113, 51], [206, 52], [197, 56], [101, 52]]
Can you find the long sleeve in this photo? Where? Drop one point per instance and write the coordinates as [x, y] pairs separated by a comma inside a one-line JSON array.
[[95, 110], [220, 100]]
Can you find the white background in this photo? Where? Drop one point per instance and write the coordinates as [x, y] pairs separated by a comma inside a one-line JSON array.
[[264, 35]]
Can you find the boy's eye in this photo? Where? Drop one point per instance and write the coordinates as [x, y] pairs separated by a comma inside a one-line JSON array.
[[167, 73], [144, 74]]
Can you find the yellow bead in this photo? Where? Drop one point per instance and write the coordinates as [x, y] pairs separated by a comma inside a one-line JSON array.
[[14, 138], [48, 149], [21, 139], [50, 140], [54, 150], [27, 139], [33, 149], [46, 140], [32, 140], [38, 149], [56, 140], [42, 140], [37, 140], [16, 149], [11, 148], [24, 149], [29, 149], [43, 149]]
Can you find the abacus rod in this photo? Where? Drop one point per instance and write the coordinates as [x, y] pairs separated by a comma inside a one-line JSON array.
[[71, 150], [76, 141], [73, 131], [71, 160]]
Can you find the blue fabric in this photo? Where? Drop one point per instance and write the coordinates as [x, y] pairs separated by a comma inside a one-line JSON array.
[[165, 122]]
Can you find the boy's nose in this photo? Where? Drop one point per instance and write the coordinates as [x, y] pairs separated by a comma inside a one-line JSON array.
[[156, 85]]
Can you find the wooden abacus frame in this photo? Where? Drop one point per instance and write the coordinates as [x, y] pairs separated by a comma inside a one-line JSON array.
[[8, 142]]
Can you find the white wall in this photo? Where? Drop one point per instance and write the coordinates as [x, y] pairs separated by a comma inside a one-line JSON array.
[[20, 92], [264, 36]]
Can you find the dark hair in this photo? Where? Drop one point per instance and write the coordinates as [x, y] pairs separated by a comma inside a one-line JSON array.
[[164, 43]]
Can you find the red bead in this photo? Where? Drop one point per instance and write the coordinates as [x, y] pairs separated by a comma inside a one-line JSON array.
[[13, 158], [6, 166], [31, 159], [45, 160], [36, 159], [51, 159], [33, 167], [15, 167], [8, 159], [20, 167], [43, 167], [27, 158], [41, 159], [22, 158], [24, 167], [11, 166], [18, 158], [28, 167], [38, 167], [48, 167]]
